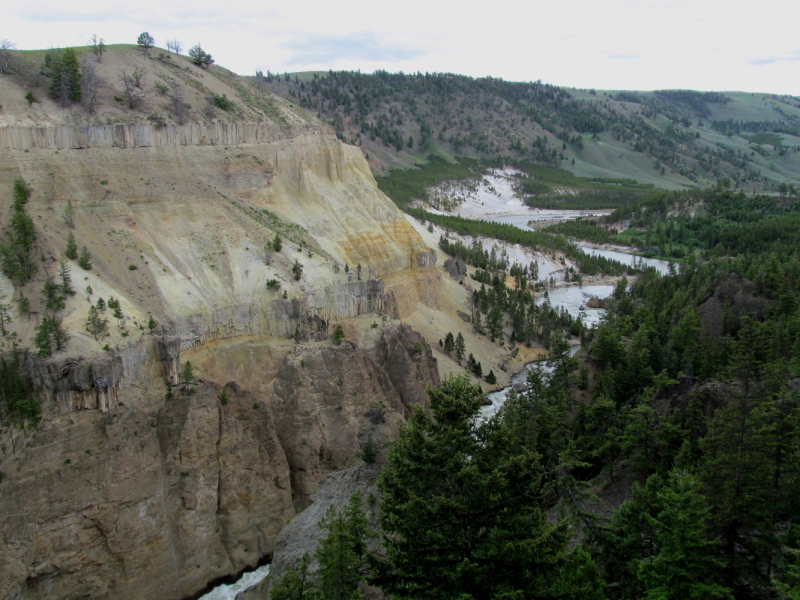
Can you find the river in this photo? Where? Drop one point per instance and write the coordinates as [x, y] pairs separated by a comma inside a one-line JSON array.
[[661, 266], [245, 582], [521, 221], [573, 299]]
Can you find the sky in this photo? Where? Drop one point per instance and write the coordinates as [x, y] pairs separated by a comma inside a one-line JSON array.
[[602, 44]]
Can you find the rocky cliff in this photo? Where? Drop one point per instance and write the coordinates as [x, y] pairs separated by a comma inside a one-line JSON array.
[[121, 493], [157, 498]]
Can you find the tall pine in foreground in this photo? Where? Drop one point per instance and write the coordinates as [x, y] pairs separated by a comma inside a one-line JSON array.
[[683, 565], [461, 514]]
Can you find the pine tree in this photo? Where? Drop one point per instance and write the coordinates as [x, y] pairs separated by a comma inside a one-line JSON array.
[[64, 271], [187, 374], [494, 322], [277, 243], [66, 78], [50, 336], [20, 404], [491, 379], [682, 564], [338, 335], [740, 447], [460, 348], [295, 583], [338, 560], [16, 251], [449, 343], [95, 323], [72, 248], [297, 270], [461, 515], [24, 304], [101, 305], [69, 221], [53, 299], [85, 259], [5, 308], [477, 327]]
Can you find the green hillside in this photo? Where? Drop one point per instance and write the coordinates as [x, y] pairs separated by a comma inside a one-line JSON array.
[[672, 138]]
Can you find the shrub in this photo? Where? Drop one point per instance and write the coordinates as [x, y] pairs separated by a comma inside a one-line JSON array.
[[221, 102], [158, 120], [370, 451], [132, 267]]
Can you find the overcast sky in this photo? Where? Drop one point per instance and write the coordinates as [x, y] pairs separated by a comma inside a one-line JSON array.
[[603, 44]]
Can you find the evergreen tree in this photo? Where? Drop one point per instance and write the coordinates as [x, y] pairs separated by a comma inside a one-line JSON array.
[[187, 373], [494, 322], [145, 41], [5, 308], [69, 221], [561, 359], [449, 343], [24, 304], [682, 564], [16, 251], [491, 379], [66, 78], [295, 583], [20, 404], [338, 560], [338, 335], [460, 347], [277, 243], [683, 344], [64, 271], [53, 299], [85, 260], [50, 336], [22, 193], [461, 516], [297, 270], [72, 248], [95, 323], [739, 457]]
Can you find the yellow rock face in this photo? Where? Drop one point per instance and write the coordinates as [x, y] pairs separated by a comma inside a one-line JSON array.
[[194, 222]]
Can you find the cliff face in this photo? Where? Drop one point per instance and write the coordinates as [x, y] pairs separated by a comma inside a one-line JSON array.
[[329, 401], [139, 503], [180, 234], [156, 498], [119, 493]]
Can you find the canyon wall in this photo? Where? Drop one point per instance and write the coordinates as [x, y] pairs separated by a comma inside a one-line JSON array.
[[120, 492]]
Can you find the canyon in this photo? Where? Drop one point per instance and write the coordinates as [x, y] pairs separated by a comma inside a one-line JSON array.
[[124, 489]]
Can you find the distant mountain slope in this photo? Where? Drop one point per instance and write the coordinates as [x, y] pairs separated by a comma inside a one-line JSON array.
[[672, 139]]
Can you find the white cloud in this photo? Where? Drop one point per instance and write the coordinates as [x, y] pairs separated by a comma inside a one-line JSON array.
[[616, 44]]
